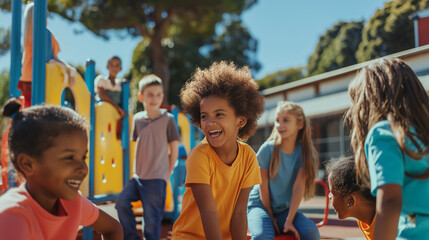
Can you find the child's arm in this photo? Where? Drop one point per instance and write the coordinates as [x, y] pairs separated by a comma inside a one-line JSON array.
[[206, 205], [107, 226], [238, 226], [103, 96], [69, 71], [388, 209], [174, 153], [264, 193], [297, 194]]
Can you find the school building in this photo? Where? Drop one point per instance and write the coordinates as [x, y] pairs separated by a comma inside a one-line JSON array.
[[325, 100]]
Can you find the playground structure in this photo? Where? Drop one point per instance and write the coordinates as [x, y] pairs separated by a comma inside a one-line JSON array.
[[110, 160]]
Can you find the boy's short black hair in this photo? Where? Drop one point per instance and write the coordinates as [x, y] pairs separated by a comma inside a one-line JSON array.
[[114, 57], [149, 80], [34, 129], [343, 178], [227, 81]]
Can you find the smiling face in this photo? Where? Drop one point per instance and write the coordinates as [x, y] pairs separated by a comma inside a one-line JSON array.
[[287, 125], [114, 66], [152, 97], [219, 122], [338, 202], [61, 169]]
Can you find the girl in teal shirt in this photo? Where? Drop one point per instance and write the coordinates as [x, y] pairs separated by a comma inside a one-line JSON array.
[[389, 116], [288, 164]]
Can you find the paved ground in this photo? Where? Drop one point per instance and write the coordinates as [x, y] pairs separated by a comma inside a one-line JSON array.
[[335, 228], [314, 209]]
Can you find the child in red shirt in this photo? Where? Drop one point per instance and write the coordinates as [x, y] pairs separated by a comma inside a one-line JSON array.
[[48, 145]]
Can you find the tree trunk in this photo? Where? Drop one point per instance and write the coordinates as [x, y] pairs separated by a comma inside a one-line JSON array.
[[160, 65]]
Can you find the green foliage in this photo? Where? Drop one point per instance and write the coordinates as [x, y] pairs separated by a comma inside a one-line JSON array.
[[183, 57], [136, 16], [4, 41], [235, 44], [4, 87], [185, 54], [336, 48], [281, 77], [390, 30], [157, 21], [5, 4], [4, 96]]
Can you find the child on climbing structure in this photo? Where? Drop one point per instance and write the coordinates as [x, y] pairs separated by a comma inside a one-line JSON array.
[[109, 88], [24, 84]]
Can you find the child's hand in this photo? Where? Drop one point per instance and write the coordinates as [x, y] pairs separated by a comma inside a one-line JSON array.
[[108, 227], [72, 75], [276, 227], [289, 227], [121, 112]]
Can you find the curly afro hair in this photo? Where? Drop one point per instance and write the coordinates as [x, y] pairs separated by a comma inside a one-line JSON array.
[[227, 81]]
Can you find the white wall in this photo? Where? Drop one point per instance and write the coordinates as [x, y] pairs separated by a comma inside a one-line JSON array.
[[301, 93], [335, 85]]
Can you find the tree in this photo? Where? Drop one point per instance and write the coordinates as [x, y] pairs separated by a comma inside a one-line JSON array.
[[151, 19], [235, 44], [336, 48], [390, 30], [4, 96], [4, 87], [186, 53], [4, 41], [281, 77]]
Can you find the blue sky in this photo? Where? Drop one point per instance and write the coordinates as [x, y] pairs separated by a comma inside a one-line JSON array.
[[287, 33]]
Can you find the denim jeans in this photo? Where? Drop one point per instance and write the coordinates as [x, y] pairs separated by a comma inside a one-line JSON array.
[[152, 194], [261, 226]]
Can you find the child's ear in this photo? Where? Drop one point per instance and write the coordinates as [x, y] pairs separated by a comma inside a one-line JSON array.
[[242, 121], [26, 164], [140, 95], [351, 200]]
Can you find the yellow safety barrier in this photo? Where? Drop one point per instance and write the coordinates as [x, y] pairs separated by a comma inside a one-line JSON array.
[[185, 129], [55, 86], [108, 158]]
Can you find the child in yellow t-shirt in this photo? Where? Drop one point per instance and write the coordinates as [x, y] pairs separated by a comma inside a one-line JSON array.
[[224, 102], [349, 198]]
